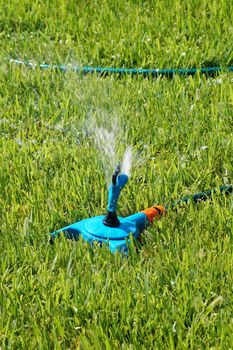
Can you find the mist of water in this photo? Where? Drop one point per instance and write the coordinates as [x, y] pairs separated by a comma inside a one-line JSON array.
[[105, 142], [127, 161], [106, 138]]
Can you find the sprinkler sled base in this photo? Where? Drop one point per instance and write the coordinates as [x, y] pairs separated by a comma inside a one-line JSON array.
[[93, 230]]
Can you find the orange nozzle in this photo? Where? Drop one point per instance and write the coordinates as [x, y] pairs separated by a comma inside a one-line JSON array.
[[157, 210]]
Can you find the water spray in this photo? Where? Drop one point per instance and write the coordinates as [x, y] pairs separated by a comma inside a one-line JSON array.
[[115, 231]]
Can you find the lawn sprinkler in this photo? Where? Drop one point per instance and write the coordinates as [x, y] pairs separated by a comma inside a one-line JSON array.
[[115, 231], [110, 229]]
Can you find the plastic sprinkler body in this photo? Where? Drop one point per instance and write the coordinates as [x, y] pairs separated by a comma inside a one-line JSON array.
[[110, 229]]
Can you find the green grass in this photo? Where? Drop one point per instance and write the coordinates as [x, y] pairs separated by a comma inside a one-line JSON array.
[[126, 33], [176, 292]]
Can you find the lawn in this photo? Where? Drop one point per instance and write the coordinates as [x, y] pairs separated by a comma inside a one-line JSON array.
[[175, 290]]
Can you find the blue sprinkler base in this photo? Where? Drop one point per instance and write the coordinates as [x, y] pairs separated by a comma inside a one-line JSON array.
[[93, 230]]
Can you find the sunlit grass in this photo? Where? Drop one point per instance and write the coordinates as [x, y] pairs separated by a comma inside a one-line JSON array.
[[176, 290]]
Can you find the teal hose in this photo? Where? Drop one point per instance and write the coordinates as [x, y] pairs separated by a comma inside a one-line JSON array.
[[126, 71], [202, 196]]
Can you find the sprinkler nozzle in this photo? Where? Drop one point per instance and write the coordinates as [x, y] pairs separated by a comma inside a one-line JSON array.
[[116, 173]]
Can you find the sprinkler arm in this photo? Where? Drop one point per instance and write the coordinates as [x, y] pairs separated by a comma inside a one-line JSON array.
[[118, 183], [114, 192]]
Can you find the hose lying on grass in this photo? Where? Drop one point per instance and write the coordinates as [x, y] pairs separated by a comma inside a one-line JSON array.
[[126, 71]]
